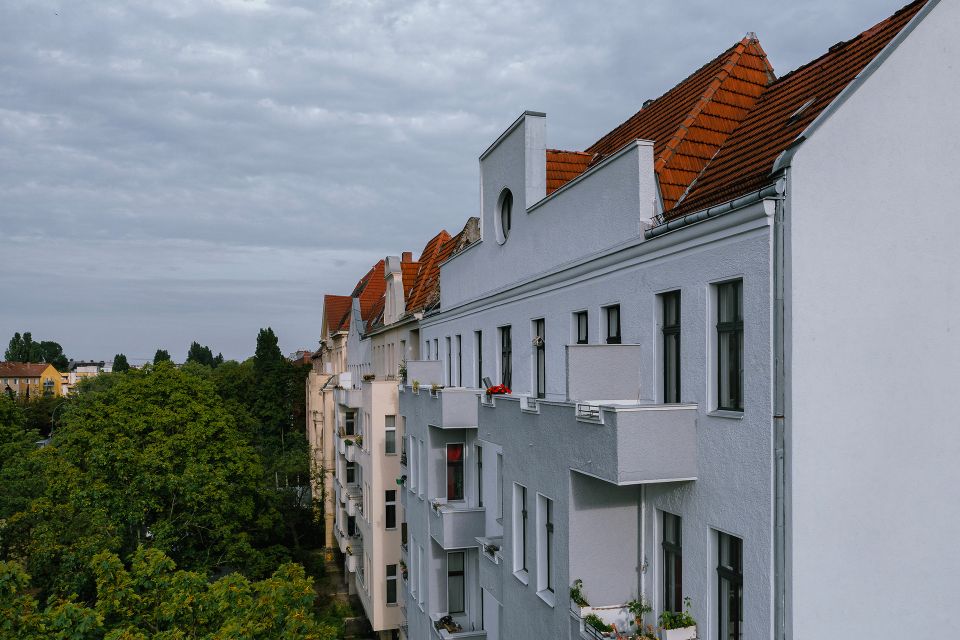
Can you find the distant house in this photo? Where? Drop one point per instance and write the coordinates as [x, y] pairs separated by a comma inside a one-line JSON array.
[[79, 370], [29, 379]]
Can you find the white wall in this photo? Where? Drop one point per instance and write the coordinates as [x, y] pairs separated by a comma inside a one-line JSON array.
[[874, 347]]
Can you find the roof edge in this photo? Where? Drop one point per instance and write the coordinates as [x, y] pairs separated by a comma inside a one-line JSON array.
[[786, 156], [509, 130]]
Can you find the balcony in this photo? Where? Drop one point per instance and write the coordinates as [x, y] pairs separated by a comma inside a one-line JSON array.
[[617, 614], [350, 450], [448, 408], [491, 566], [456, 526], [354, 498], [445, 633], [341, 446]]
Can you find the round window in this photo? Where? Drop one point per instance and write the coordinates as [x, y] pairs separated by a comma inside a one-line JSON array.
[[506, 211]]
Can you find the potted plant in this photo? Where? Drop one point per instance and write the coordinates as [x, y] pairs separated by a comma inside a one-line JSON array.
[[639, 608], [678, 625], [401, 480], [434, 388], [593, 620], [359, 441], [416, 386], [577, 599], [403, 570], [348, 442], [369, 377], [402, 371], [497, 389]]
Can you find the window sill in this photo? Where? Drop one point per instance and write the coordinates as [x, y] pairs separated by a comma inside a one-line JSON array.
[[725, 413], [390, 454], [548, 596], [522, 576]]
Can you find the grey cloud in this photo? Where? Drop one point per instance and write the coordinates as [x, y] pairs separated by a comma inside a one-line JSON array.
[[202, 167]]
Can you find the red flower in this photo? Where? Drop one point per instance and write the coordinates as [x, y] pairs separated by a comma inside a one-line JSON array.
[[500, 388]]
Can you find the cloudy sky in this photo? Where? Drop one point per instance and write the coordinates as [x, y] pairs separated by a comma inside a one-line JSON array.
[[196, 169]]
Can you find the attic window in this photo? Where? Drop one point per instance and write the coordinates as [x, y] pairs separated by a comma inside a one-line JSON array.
[[505, 207], [795, 116]]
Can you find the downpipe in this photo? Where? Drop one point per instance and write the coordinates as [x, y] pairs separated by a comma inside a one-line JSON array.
[[779, 440]]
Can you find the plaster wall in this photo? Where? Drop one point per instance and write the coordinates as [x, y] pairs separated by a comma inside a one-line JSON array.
[[733, 489], [607, 206], [873, 295]]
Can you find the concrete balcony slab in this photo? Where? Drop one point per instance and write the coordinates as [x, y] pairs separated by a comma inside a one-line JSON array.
[[456, 527]]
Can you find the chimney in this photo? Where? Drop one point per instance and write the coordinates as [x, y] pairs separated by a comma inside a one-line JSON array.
[[406, 256]]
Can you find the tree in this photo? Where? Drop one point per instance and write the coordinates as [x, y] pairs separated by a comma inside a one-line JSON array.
[[18, 482], [203, 355], [271, 384], [153, 599], [22, 348], [161, 356], [120, 364], [153, 458]]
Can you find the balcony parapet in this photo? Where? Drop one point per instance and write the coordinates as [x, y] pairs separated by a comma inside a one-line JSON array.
[[617, 614], [447, 634], [445, 407], [491, 566], [454, 525], [621, 442], [348, 397]]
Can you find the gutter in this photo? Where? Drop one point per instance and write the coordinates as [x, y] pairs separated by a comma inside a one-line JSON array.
[[774, 190]]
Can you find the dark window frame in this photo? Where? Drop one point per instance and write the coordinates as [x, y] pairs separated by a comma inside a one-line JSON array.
[[540, 357], [461, 573], [582, 327], [614, 335], [479, 476], [730, 335], [506, 213], [670, 329], [506, 356], [523, 527], [548, 526], [456, 467], [729, 576], [672, 548], [479, 336], [391, 584], [389, 509]]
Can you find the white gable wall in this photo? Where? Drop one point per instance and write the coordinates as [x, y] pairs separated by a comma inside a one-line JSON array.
[[873, 350]]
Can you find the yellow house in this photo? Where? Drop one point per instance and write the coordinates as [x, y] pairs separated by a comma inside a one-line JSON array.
[[29, 379]]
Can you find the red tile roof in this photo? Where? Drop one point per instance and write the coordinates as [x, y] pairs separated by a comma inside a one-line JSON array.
[[564, 166], [22, 369], [745, 161], [687, 124], [335, 309], [370, 289], [428, 273], [408, 271]]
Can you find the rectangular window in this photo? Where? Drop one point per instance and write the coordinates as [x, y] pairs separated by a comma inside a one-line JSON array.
[[390, 508], [422, 450], [540, 356], [671, 347], [612, 314], [403, 535], [351, 472], [414, 572], [730, 345], [414, 464], [582, 326], [454, 472], [519, 527], [349, 422], [480, 476], [506, 357], [390, 434], [423, 592], [730, 583], [544, 543], [391, 584], [672, 563], [351, 526], [449, 371], [479, 338], [499, 486], [436, 348], [455, 583], [459, 361]]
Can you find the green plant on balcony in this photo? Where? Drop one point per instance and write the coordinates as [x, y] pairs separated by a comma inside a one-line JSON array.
[[402, 370], [416, 386], [402, 480], [576, 594], [434, 388], [678, 619], [359, 441], [594, 621], [639, 608], [369, 377], [348, 442]]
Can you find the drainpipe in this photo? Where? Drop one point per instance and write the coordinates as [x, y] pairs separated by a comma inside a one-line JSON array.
[[779, 395]]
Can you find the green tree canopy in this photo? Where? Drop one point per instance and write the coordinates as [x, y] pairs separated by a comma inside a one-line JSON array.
[[23, 348], [152, 458], [120, 364], [161, 356], [153, 599], [202, 354]]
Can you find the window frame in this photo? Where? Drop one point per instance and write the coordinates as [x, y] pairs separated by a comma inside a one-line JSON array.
[[391, 581], [540, 358], [387, 440], [581, 327], [479, 476], [731, 576], [671, 305], [506, 356], [611, 336], [545, 540], [731, 329], [462, 575], [389, 507], [457, 464], [672, 555], [479, 347], [505, 214]]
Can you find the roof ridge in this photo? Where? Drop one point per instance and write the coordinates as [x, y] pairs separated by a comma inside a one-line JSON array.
[[736, 52]]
